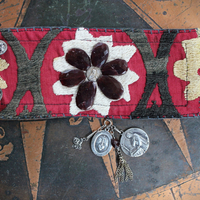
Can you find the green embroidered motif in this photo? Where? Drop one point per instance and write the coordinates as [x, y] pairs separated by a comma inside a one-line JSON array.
[[156, 74], [28, 81]]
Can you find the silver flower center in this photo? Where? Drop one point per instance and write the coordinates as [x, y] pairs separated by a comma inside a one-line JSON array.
[[93, 73]]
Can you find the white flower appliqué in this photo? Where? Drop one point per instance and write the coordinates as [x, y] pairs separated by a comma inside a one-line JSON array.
[[85, 41]]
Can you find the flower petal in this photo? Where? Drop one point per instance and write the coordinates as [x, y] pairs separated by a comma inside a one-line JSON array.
[[59, 89], [115, 67], [60, 64], [84, 35], [85, 41], [85, 95], [180, 69], [121, 52], [78, 58], [101, 103], [110, 87], [99, 54], [192, 91], [128, 78], [3, 84], [3, 64], [72, 78]]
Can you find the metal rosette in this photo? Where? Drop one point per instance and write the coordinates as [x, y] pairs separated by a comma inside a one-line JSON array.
[[101, 143], [1, 94], [3, 47], [134, 142]]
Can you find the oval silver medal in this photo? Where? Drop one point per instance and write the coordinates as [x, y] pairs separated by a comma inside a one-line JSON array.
[[134, 142], [101, 143]]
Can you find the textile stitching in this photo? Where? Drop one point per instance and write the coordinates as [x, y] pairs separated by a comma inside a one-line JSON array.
[[156, 72], [42, 29], [96, 40], [187, 69], [53, 115], [28, 81], [160, 55]]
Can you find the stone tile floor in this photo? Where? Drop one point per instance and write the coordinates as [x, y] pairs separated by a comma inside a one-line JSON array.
[[27, 167]]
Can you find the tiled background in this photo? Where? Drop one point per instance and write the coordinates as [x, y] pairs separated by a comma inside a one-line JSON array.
[[36, 159]]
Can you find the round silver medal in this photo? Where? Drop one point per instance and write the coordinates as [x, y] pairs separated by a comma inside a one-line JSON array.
[[134, 142], [3, 47], [101, 143]]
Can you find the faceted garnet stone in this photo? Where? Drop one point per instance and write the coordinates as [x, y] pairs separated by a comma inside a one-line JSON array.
[[72, 78], [110, 87], [99, 54], [85, 95], [115, 143], [78, 58], [115, 67]]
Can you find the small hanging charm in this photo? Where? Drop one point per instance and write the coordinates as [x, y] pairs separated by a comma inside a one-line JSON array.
[[78, 143], [123, 172]]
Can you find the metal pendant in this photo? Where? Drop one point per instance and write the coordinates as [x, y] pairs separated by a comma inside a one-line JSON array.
[[134, 142], [1, 94], [101, 143], [3, 47]]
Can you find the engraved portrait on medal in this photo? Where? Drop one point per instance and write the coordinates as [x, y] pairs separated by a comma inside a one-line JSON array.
[[134, 142], [101, 143]]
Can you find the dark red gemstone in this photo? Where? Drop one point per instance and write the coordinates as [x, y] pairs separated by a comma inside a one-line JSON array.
[[110, 87], [115, 67], [72, 78], [85, 95], [78, 58], [99, 54], [115, 143]]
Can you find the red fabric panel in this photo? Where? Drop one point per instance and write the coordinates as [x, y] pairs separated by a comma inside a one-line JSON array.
[[59, 104]]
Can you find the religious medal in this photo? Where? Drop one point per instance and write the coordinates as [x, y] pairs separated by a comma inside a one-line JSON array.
[[134, 142], [101, 143], [77, 142]]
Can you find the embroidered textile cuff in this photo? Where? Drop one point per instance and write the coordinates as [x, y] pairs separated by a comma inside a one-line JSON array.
[[56, 72]]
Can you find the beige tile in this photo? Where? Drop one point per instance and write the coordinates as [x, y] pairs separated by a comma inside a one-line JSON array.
[[12, 12], [166, 195], [167, 14], [164, 192], [188, 191], [33, 136], [176, 130]]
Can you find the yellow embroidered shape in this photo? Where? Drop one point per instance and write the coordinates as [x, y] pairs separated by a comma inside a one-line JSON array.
[[3, 65], [187, 69]]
